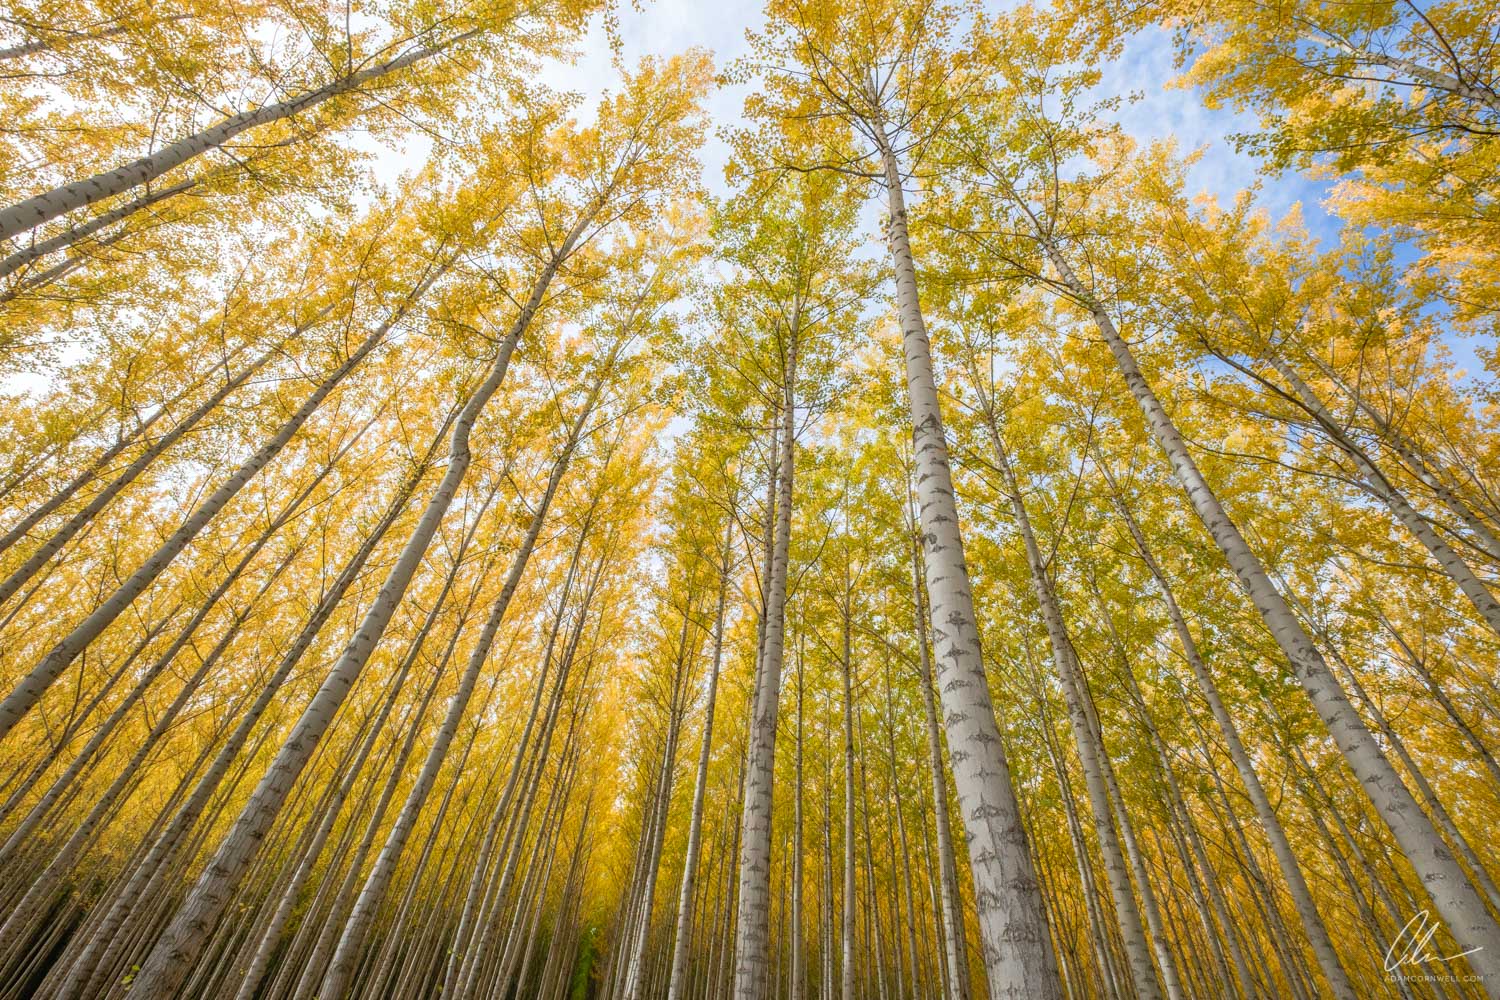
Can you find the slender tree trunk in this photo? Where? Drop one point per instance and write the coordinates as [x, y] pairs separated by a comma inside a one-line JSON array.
[[107, 935], [85, 516], [682, 946], [39, 811], [1458, 904], [1090, 753], [1012, 919], [1291, 870], [1183, 834], [182, 941], [1429, 471], [351, 941], [123, 440], [752, 929], [41, 208], [41, 248], [635, 968], [61, 861], [851, 894], [1376, 483], [36, 683]]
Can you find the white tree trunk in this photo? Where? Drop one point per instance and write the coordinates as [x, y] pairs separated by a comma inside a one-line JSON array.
[[1376, 483], [45, 673], [682, 946], [1090, 753], [1302, 901], [955, 935], [341, 969], [1012, 919], [36, 210], [1458, 904], [183, 939], [752, 930]]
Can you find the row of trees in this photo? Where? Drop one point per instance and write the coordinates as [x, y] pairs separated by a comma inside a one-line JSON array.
[[539, 580]]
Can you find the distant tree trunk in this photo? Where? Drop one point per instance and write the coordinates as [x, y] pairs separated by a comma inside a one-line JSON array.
[[799, 960], [1377, 485], [752, 929], [1307, 911], [851, 894], [637, 957], [123, 441], [1090, 753], [1183, 832], [898, 808], [1425, 468], [106, 941], [682, 944]]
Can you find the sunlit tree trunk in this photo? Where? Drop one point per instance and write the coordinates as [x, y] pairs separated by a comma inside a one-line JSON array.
[[752, 928], [1377, 485], [106, 941], [1133, 935], [44, 674], [955, 946], [851, 893], [1012, 920], [183, 939], [41, 208], [355, 928], [682, 943], [1457, 902], [1291, 870]]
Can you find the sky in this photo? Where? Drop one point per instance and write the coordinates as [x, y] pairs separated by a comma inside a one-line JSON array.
[[1145, 69], [663, 27]]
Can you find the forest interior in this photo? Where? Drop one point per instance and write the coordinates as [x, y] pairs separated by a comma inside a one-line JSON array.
[[781, 500]]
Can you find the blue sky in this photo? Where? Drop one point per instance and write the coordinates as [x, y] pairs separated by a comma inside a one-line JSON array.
[[662, 27], [1145, 69]]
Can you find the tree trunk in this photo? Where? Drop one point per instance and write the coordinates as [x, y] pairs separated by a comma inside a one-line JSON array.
[[682, 945], [1458, 904], [1291, 870], [1375, 482], [351, 941], [41, 208], [851, 894], [955, 936], [1012, 918], [36, 683], [752, 929], [182, 941], [1090, 753], [107, 935]]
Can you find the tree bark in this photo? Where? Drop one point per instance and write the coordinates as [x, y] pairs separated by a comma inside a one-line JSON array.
[[45, 673], [955, 936], [41, 208], [1291, 870], [355, 928], [752, 930], [1012, 918], [180, 944], [1456, 900], [682, 946]]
